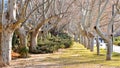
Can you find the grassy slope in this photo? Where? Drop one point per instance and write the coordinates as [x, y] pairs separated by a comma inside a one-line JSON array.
[[77, 55]]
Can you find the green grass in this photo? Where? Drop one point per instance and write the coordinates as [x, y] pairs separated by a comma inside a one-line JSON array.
[[77, 54]]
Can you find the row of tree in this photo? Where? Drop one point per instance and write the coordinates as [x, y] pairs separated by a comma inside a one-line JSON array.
[[81, 18], [28, 17], [97, 19]]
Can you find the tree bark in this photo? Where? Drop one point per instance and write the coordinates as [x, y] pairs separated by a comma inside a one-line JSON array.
[[76, 37], [109, 50], [92, 45], [23, 43], [33, 43], [80, 39], [6, 46], [1, 63], [84, 41], [88, 43], [98, 46]]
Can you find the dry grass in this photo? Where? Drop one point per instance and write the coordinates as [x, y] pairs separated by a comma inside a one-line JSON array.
[[77, 55]]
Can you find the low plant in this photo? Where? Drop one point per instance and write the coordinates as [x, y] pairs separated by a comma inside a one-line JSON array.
[[24, 52], [52, 43], [117, 41]]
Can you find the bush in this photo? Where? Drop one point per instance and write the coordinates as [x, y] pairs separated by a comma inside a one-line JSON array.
[[24, 52], [47, 47], [64, 36], [53, 43], [67, 43], [66, 40], [117, 40], [119, 44]]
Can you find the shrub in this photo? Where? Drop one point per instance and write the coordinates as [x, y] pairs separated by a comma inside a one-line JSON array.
[[48, 48], [67, 43], [62, 46], [66, 39], [24, 52], [53, 43], [64, 36], [117, 40], [119, 44]]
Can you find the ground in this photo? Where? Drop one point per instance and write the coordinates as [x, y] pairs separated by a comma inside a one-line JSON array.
[[76, 56]]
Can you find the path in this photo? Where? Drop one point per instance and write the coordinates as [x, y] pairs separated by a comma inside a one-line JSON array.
[[75, 57]]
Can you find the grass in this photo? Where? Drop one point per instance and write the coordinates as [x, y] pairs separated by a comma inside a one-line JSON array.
[[77, 55]]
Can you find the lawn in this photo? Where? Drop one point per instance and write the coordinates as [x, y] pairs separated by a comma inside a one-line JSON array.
[[77, 55]]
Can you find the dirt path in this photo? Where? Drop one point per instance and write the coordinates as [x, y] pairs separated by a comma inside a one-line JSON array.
[[39, 61], [54, 61]]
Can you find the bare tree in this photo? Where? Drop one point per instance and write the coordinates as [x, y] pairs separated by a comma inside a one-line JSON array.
[[13, 16]]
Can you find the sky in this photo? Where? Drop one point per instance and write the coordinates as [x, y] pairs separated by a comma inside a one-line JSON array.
[[5, 5]]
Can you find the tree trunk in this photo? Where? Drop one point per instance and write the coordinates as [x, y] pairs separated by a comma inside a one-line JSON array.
[[109, 50], [23, 47], [92, 45], [88, 43], [6, 46], [80, 39], [84, 42], [33, 43], [1, 64], [76, 38], [98, 46], [23, 43], [108, 40]]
